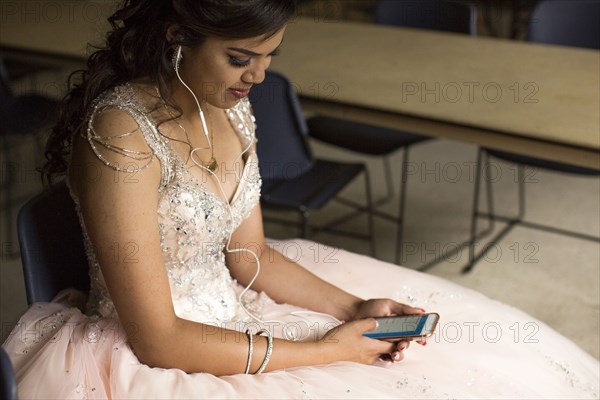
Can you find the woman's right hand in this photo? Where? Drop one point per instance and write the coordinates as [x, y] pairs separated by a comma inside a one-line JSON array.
[[347, 343]]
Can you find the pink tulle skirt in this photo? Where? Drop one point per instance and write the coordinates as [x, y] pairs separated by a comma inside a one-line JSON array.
[[481, 349]]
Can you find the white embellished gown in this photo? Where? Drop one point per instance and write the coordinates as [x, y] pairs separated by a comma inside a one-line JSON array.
[[481, 349]]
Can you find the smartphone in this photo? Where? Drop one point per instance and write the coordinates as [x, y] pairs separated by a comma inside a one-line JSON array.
[[405, 326]]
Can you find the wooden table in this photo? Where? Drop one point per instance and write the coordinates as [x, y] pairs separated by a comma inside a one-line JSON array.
[[53, 29], [532, 99]]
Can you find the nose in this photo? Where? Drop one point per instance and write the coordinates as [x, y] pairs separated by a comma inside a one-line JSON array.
[[256, 73], [254, 76]]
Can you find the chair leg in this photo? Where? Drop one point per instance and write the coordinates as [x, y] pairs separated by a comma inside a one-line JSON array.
[[490, 199], [492, 217], [400, 226], [8, 247], [369, 200], [389, 184], [304, 228], [521, 189], [482, 159], [475, 213]]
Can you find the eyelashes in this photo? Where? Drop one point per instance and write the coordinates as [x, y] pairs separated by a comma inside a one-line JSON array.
[[238, 62], [241, 63]]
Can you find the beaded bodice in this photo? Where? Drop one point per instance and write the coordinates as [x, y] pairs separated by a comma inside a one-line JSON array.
[[194, 223]]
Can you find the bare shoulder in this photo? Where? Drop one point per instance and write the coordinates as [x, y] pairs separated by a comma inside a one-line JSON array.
[[112, 152]]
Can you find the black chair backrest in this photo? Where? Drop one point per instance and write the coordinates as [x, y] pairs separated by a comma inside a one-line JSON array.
[[8, 383], [568, 23], [6, 95], [51, 243], [441, 15], [281, 130]]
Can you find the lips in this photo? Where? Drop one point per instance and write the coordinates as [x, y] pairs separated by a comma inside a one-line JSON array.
[[240, 93]]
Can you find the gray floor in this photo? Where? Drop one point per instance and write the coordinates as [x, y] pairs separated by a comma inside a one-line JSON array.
[[552, 277], [555, 278]]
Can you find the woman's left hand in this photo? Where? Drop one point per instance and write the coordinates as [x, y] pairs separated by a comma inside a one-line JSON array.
[[385, 308]]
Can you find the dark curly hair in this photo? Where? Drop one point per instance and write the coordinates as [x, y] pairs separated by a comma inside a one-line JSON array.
[[137, 48]]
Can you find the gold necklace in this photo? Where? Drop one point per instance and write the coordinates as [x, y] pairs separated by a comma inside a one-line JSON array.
[[211, 164]]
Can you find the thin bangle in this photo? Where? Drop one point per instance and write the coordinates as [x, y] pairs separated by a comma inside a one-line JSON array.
[[269, 350], [250, 350]]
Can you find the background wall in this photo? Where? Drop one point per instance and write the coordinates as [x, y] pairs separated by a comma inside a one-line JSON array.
[[498, 18]]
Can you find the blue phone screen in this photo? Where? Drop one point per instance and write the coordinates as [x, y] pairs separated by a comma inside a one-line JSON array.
[[398, 326]]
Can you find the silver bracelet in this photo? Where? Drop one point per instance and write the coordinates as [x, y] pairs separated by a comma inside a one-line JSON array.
[[269, 350], [250, 350]]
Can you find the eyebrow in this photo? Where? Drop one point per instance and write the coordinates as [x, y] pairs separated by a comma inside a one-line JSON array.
[[244, 51], [249, 52]]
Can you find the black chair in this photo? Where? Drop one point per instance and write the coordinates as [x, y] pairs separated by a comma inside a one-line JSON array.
[[20, 117], [8, 383], [382, 142], [573, 23], [567, 23], [440, 15], [51, 243], [292, 178]]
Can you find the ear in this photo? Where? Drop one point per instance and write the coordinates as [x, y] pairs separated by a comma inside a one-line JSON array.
[[172, 32]]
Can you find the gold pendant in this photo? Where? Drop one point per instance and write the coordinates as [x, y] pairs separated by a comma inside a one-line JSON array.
[[212, 165]]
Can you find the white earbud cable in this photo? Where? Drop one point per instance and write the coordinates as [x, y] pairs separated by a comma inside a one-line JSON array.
[[177, 61], [230, 211]]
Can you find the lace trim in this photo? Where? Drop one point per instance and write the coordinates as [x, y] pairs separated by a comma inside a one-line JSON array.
[[124, 98], [93, 139]]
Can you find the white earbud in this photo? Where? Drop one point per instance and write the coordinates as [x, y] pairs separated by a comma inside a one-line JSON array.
[[178, 54], [177, 59]]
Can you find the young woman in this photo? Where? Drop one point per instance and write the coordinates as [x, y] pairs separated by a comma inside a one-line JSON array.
[[187, 298]]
